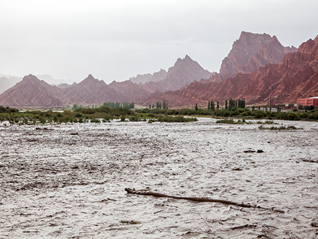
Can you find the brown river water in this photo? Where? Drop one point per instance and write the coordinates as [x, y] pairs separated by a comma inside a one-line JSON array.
[[68, 181]]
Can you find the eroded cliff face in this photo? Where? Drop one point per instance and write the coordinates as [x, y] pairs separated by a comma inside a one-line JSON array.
[[295, 76], [252, 51]]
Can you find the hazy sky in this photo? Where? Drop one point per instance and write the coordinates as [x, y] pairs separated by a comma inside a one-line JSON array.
[[118, 39]]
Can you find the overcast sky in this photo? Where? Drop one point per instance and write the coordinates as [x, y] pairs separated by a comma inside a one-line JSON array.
[[118, 39]]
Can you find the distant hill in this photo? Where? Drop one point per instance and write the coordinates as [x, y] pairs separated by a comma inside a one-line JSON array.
[[7, 82], [65, 85], [142, 79]]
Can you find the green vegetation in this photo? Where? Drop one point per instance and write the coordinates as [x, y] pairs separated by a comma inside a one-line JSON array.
[[118, 105], [88, 115], [279, 128], [231, 121], [115, 110], [266, 122], [176, 119]]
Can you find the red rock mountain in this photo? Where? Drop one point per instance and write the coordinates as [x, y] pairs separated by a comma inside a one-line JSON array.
[[252, 51], [296, 76], [91, 91], [180, 75], [32, 92]]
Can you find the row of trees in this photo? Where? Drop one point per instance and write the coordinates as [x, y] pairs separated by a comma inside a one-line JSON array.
[[229, 105], [109, 104], [158, 105], [118, 105]]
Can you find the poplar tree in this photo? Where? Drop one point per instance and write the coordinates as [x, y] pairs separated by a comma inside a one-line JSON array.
[[212, 105]]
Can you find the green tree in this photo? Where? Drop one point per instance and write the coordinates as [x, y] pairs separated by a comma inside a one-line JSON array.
[[196, 107], [212, 105], [226, 104], [209, 105], [165, 104], [217, 105]]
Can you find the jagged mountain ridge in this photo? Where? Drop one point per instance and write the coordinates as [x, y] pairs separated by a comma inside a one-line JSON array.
[[296, 76], [32, 91]]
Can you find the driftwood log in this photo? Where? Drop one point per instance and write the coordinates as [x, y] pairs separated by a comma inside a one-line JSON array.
[[226, 202]]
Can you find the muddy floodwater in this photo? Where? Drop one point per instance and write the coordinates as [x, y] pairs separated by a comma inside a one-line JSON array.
[[68, 181]]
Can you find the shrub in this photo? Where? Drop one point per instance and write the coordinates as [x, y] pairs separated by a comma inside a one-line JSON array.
[[94, 120], [259, 115], [133, 118], [292, 116]]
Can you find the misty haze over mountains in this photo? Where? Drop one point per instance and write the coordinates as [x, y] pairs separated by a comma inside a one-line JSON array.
[[248, 54]]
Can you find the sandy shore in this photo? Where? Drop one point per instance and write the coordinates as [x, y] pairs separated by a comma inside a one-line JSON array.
[[68, 181]]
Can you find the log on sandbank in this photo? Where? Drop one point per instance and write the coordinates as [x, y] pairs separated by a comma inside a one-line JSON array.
[[226, 202]]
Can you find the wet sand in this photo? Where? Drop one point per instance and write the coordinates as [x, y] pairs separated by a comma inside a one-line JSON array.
[[68, 181]]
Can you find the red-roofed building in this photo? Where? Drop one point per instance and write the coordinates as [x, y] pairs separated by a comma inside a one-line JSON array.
[[308, 101]]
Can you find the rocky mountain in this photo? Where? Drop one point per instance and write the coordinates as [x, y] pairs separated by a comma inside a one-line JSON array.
[[142, 79], [7, 82], [184, 72], [295, 76], [32, 92], [91, 91], [252, 51], [180, 75]]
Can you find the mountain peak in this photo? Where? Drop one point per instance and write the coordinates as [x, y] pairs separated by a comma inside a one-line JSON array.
[[30, 78], [251, 51]]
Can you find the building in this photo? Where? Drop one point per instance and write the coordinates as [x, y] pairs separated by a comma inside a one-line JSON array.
[[308, 101]]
